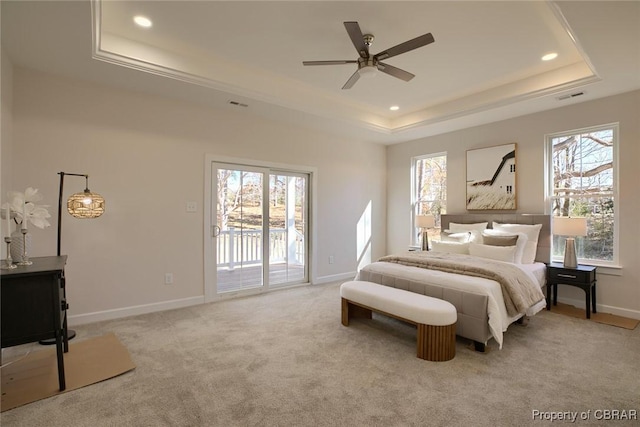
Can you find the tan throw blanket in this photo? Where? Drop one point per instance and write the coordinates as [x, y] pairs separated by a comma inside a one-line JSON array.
[[519, 291]]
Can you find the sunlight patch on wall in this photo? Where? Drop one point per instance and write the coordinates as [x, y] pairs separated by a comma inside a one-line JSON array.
[[363, 236]]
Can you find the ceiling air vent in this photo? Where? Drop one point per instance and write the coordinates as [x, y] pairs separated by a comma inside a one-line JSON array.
[[570, 95], [238, 104]]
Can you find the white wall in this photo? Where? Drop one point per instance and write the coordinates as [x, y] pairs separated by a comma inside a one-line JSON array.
[[145, 155], [618, 294], [6, 122]]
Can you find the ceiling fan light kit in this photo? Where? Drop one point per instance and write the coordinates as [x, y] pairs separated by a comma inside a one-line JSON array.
[[368, 71], [368, 65]]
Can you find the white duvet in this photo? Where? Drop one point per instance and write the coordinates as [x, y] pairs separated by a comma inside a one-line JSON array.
[[499, 320]]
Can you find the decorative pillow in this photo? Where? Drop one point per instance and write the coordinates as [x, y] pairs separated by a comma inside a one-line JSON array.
[[521, 241], [450, 247], [488, 239], [532, 232], [460, 237], [475, 229], [498, 253]]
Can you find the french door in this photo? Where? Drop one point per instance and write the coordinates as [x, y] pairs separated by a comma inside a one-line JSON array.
[[259, 227]]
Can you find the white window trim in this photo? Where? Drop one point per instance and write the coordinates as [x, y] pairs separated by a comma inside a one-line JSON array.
[[614, 264], [414, 201]]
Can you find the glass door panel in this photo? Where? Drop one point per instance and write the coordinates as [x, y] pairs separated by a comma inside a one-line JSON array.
[[259, 227], [287, 229], [239, 228]]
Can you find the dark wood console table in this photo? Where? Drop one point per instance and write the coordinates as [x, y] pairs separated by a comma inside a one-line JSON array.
[[34, 306]]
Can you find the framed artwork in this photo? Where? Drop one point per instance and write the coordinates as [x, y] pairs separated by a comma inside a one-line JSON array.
[[491, 178]]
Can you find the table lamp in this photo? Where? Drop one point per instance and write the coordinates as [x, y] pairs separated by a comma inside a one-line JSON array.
[[425, 222], [570, 227]]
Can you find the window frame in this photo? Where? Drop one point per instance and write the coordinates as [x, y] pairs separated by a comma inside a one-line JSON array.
[[549, 187], [414, 232]]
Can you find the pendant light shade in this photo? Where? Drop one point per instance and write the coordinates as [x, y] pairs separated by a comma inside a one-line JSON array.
[[85, 205]]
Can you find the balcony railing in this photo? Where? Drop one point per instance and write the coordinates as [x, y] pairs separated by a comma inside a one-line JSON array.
[[246, 246]]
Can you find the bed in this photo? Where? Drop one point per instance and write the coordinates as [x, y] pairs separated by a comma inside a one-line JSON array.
[[483, 301]]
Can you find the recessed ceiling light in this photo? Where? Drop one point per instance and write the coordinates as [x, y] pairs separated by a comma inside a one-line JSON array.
[[142, 21], [394, 108], [550, 56]]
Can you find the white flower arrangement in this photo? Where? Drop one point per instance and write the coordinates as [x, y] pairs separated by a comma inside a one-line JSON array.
[[22, 207]]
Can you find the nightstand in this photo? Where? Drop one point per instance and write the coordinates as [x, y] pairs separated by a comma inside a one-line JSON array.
[[583, 277]]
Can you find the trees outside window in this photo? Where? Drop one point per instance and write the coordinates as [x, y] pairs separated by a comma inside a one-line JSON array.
[[429, 195], [582, 178]]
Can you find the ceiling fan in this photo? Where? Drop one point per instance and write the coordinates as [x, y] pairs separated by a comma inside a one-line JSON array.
[[369, 64]]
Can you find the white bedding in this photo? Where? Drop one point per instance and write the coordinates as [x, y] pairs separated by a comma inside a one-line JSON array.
[[499, 320]]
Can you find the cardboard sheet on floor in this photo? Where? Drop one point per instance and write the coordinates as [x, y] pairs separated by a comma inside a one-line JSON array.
[[605, 318], [35, 376]]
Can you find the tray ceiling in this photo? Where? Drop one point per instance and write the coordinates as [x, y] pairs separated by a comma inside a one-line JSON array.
[[485, 63]]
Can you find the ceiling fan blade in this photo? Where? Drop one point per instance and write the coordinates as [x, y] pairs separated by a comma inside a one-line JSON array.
[[395, 72], [406, 46], [353, 29], [352, 80], [328, 62]]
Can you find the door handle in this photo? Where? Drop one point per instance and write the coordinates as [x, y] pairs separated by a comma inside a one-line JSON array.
[[215, 231]]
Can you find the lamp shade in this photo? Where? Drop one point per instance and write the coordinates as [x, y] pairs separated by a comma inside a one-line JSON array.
[[569, 226], [85, 205], [425, 221]]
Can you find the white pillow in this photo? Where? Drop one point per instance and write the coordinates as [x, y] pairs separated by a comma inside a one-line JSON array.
[[498, 253], [450, 247], [475, 229], [454, 226], [450, 236], [521, 243], [532, 232]]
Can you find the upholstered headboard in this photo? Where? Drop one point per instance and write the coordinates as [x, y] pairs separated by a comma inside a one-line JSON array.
[[543, 252]]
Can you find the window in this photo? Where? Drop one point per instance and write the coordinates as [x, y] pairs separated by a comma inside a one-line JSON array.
[[583, 182], [429, 194]]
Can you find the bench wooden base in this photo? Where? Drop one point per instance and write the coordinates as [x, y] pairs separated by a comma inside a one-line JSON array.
[[434, 343]]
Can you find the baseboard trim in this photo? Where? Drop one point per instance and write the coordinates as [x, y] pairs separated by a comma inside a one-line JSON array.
[[624, 312], [118, 313], [334, 278]]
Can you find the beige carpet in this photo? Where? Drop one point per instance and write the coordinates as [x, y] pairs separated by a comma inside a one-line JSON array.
[[604, 318], [284, 359], [35, 376]]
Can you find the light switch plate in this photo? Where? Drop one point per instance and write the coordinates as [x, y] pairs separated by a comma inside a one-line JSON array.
[[192, 206]]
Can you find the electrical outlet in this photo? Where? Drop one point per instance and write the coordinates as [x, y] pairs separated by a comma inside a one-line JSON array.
[[168, 278], [192, 206], [330, 259]]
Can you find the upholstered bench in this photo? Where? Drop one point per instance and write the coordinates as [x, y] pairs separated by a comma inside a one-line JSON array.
[[436, 319]]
